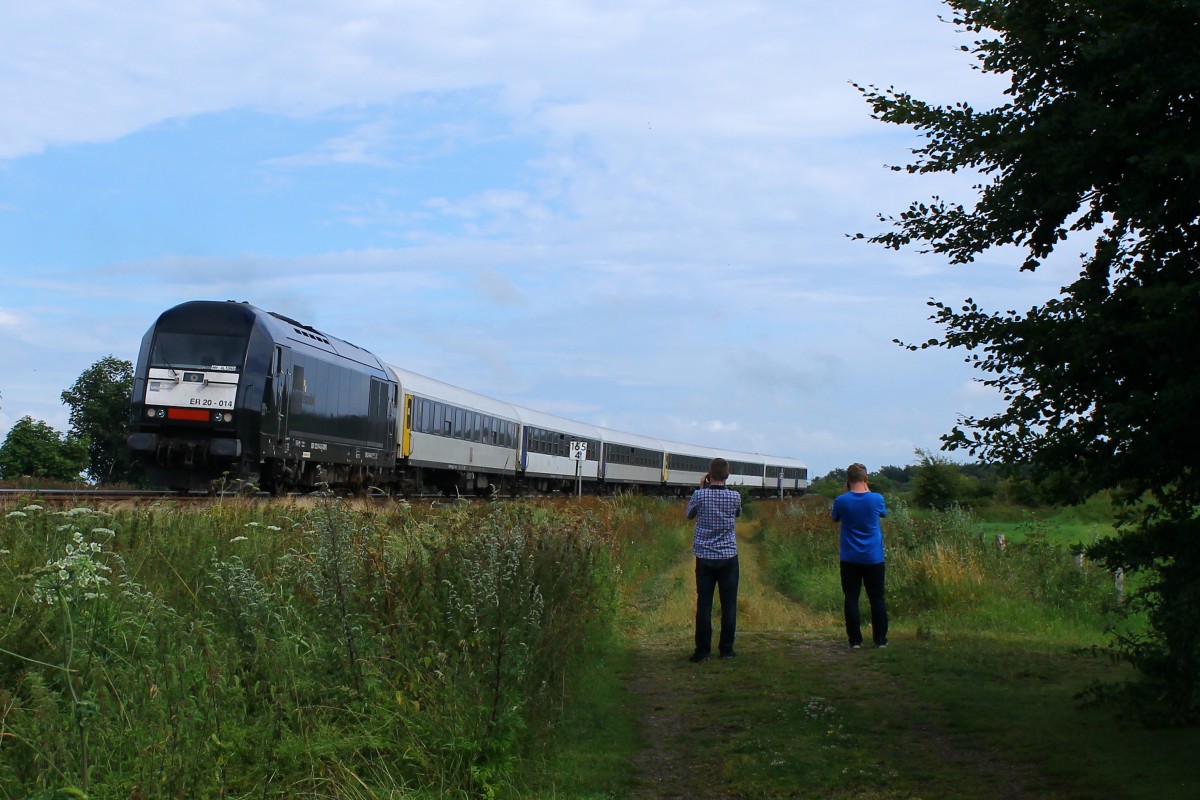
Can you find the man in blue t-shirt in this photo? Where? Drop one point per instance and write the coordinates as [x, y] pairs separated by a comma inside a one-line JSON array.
[[861, 550], [715, 508]]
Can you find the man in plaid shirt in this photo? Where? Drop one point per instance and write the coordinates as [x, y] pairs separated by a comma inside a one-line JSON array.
[[715, 509]]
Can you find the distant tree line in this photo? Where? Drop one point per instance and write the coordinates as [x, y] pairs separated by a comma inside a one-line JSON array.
[[94, 447], [934, 482]]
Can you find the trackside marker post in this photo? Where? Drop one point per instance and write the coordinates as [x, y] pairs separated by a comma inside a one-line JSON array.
[[578, 454]]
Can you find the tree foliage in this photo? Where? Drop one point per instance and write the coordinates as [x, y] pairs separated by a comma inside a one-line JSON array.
[[938, 484], [1097, 137], [36, 450], [99, 403]]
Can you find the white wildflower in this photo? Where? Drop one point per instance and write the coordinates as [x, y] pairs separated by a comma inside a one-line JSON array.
[[17, 514], [237, 539], [32, 508], [77, 575]]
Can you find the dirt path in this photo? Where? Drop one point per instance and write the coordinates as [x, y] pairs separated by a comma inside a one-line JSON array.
[[686, 708]]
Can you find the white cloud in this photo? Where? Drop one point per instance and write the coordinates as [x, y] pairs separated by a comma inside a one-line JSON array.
[[92, 71], [365, 145]]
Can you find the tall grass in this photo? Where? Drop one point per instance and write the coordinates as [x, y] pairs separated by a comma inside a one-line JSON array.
[[944, 573], [286, 651]]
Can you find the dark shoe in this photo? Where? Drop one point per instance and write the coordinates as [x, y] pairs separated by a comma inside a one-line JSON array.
[[696, 658], [730, 654]]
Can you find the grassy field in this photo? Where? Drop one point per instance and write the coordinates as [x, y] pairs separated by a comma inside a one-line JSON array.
[[316, 650], [539, 651], [979, 695]]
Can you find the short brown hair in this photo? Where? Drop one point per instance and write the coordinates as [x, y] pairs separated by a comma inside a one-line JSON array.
[[718, 469], [856, 473]]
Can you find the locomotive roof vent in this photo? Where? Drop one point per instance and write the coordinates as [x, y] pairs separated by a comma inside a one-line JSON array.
[[311, 336], [301, 328]]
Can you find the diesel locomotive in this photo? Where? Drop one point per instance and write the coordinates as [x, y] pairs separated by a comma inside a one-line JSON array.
[[226, 394]]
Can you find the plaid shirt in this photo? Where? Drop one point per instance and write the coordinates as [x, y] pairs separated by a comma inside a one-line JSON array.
[[715, 510]]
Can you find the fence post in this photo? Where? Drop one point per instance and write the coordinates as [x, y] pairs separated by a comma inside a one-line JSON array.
[[1000, 542], [1119, 583]]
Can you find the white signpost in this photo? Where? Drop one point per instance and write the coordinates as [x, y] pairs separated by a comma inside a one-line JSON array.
[[579, 455]]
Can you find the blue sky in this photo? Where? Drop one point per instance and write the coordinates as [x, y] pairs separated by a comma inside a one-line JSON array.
[[629, 213]]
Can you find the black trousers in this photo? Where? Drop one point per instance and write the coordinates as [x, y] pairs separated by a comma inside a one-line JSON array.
[[722, 575], [854, 577]]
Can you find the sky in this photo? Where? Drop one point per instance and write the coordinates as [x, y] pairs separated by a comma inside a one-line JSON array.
[[634, 214]]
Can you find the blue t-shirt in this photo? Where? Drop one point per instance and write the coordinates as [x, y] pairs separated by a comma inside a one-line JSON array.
[[862, 538]]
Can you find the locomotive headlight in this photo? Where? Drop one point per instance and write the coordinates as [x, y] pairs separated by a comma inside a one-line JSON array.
[[222, 417], [228, 417], [156, 413]]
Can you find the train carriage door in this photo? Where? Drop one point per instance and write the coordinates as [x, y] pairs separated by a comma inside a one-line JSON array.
[[406, 431], [391, 418], [276, 396]]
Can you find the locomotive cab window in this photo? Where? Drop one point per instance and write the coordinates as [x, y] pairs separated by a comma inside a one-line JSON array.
[[197, 351]]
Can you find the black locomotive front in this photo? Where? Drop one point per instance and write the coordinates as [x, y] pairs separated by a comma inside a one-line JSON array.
[[198, 395], [226, 393]]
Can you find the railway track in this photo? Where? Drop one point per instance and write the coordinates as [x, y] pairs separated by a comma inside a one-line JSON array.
[[65, 496], [60, 497]]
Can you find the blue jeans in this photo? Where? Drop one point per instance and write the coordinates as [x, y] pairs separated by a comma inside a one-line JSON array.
[[720, 574], [854, 577]]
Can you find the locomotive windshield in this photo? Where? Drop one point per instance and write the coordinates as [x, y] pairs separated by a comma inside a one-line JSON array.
[[198, 351]]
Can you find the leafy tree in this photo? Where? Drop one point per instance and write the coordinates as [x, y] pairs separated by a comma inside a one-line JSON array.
[[938, 483], [898, 475], [99, 402], [881, 483], [831, 484], [37, 450], [1098, 137]]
